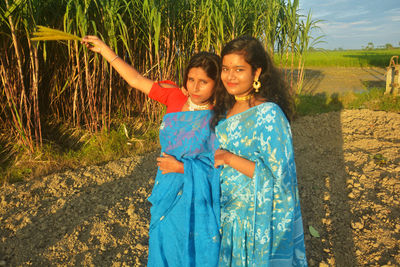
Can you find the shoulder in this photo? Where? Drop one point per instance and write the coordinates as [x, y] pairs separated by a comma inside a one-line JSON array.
[[268, 107], [164, 84], [163, 88], [271, 110], [167, 84]]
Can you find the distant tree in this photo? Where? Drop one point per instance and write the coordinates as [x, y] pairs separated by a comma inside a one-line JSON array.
[[370, 46], [388, 46]]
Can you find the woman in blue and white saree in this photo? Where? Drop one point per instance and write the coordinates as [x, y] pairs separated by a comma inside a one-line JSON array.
[[261, 221]]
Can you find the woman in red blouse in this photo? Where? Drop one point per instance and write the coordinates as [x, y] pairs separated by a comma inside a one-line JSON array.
[[184, 226], [200, 80]]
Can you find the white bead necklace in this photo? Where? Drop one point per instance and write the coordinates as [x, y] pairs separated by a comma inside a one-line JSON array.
[[193, 106]]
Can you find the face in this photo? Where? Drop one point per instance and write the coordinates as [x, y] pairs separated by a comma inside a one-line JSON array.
[[237, 75], [199, 86]]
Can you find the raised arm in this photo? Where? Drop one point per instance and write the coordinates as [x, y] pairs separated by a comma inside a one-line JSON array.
[[127, 72]]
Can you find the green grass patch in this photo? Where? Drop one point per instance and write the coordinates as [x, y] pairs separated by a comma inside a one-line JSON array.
[[349, 58], [373, 99], [69, 147], [308, 104]]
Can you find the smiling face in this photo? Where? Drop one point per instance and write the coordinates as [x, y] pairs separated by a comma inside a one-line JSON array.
[[199, 86], [237, 75]]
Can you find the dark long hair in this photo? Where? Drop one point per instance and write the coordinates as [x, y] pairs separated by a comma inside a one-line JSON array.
[[211, 64], [273, 86]]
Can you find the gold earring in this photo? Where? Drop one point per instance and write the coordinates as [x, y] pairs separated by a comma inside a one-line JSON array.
[[256, 85]]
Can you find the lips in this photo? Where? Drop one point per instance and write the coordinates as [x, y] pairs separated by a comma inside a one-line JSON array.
[[231, 84]]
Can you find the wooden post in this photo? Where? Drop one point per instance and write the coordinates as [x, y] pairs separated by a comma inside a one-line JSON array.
[[393, 77]]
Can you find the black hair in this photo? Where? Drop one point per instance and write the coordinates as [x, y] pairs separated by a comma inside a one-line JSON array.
[[210, 63], [273, 86]]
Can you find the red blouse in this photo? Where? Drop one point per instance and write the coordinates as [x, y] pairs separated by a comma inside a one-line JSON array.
[[172, 97]]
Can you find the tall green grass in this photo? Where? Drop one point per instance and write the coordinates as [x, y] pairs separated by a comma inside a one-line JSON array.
[[43, 82]]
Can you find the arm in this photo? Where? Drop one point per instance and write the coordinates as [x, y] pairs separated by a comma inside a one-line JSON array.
[[240, 164], [127, 72], [168, 163]]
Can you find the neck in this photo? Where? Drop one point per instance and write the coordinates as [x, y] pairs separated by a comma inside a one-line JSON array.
[[243, 98], [192, 106]]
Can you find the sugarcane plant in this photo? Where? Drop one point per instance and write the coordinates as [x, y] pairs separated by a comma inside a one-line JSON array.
[[43, 80]]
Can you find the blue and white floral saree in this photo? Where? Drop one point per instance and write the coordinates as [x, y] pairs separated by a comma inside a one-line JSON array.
[[185, 212], [260, 217]]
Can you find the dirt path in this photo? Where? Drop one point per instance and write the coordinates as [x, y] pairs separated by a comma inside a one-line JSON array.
[[348, 167], [339, 80]]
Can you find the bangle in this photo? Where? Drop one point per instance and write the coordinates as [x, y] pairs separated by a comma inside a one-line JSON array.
[[112, 60]]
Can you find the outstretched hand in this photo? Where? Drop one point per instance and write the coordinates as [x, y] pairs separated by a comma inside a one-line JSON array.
[[94, 43], [168, 164]]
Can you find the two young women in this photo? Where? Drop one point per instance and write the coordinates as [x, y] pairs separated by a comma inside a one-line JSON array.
[[260, 213]]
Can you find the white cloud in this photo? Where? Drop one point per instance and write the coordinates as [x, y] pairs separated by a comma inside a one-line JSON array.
[[351, 24]]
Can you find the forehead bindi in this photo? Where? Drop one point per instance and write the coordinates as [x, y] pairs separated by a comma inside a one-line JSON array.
[[234, 60]]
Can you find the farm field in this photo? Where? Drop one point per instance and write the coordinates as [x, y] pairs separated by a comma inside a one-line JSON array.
[[339, 80], [67, 197], [349, 182], [350, 58], [348, 173]]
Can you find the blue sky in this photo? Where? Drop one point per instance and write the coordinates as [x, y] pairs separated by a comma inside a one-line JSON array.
[[352, 24]]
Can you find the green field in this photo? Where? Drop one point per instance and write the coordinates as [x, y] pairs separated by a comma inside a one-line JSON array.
[[346, 58], [351, 58]]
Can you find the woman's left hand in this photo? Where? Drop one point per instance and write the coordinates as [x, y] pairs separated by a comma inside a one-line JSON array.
[[168, 164]]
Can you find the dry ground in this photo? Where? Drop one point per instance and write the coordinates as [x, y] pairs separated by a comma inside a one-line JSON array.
[[349, 180]]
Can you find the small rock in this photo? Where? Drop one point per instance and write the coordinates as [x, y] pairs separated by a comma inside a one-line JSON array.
[[357, 225], [351, 196]]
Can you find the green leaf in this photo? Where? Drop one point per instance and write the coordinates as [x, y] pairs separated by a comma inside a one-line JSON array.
[[313, 232]]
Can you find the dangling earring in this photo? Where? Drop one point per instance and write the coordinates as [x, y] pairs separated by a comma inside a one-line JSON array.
[[256, 85]]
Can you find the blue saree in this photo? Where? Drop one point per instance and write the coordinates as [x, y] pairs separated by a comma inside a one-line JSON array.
[[185, 212], [260, 217]]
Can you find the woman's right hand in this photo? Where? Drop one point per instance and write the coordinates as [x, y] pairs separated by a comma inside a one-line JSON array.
[[127, 72], [220, 157], [94, 43]]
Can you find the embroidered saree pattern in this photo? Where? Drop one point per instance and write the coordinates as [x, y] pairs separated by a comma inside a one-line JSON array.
[[260, 217], [185, 212]]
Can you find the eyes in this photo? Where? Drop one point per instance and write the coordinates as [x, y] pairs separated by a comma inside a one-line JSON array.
[[226, 69], [201, 82]]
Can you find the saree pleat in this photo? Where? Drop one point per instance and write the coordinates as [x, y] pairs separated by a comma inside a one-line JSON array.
[[185, 212], [264, 211]]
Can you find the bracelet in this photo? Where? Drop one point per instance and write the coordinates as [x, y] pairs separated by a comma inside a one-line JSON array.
[[111, 61]]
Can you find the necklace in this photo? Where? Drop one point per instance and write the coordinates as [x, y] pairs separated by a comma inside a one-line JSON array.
[[193, 106], [243, 98]]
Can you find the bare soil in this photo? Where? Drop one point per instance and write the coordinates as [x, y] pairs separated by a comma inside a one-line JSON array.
[[332, 80], [348, 166]]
